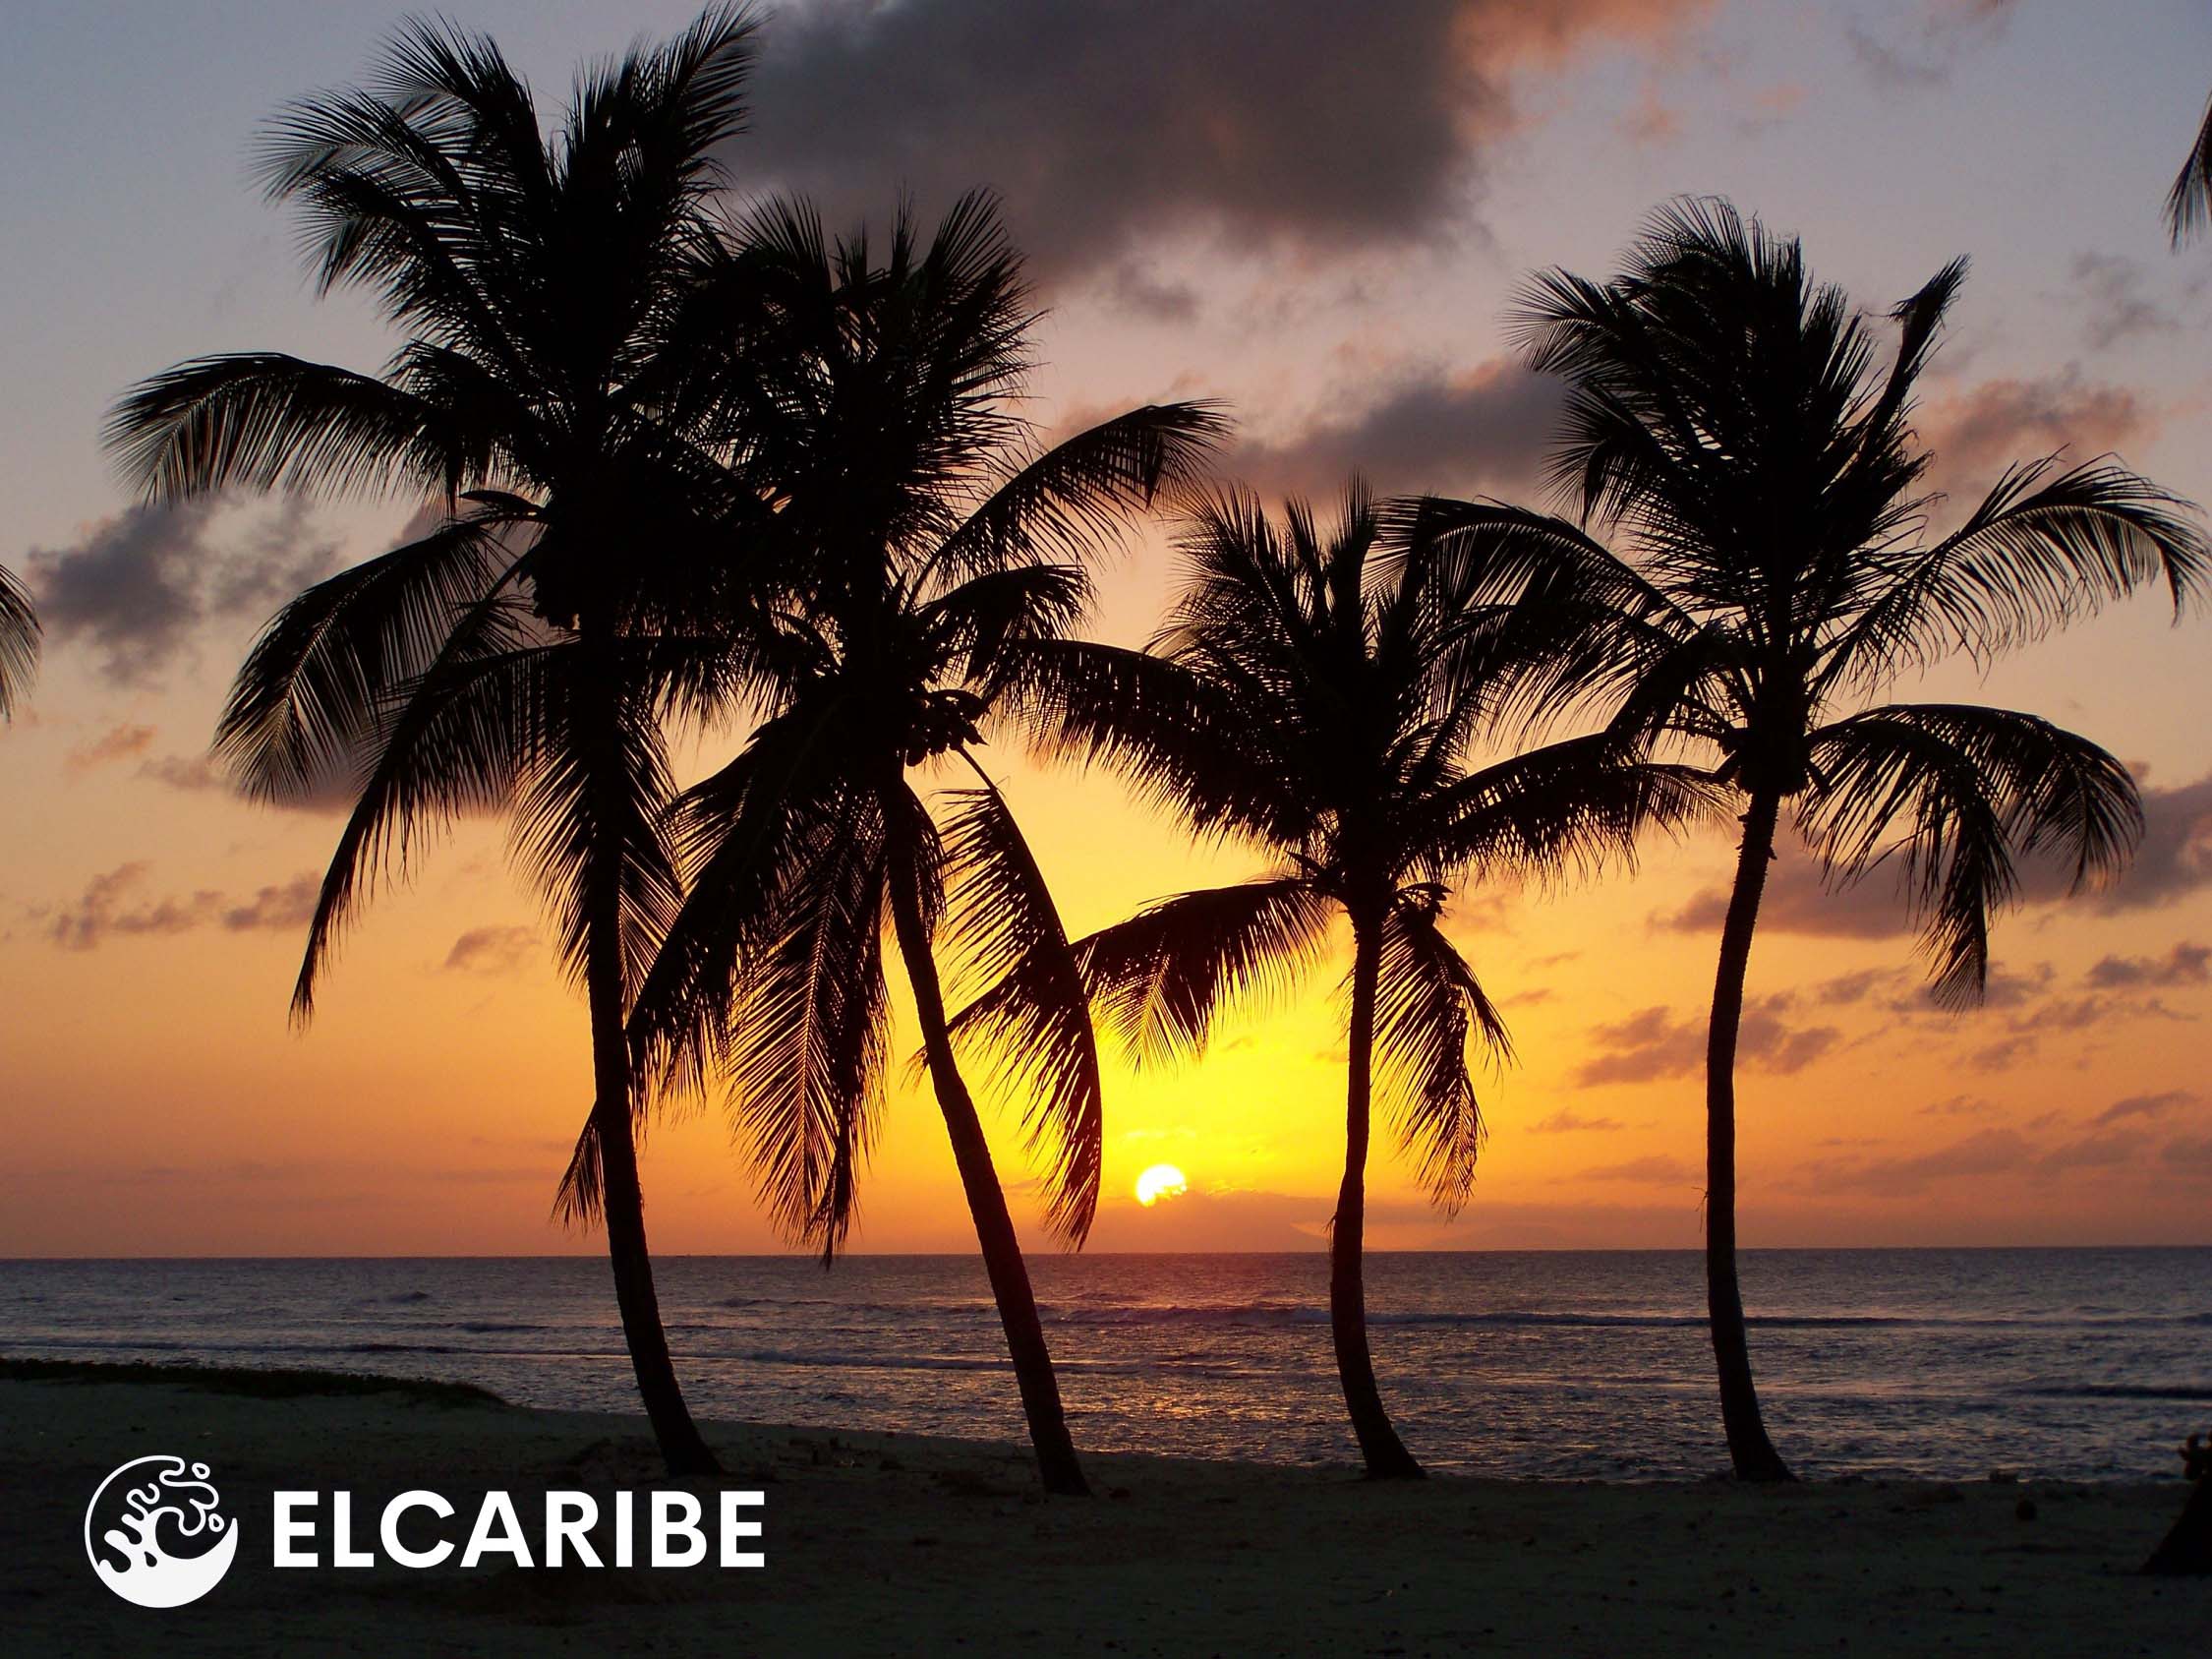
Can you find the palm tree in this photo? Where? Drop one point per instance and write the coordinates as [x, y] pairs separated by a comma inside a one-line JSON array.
[[2188, 204], [1727, 422], [520, 654], [19, 642], [919, 536], [1317, 695]]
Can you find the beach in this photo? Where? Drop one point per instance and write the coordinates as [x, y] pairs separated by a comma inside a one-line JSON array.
[[900, 1543]]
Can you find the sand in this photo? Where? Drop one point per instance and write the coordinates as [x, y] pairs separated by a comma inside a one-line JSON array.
[[896, 1544]]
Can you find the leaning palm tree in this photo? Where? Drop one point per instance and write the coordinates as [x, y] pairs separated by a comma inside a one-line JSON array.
[[1728, 424], [521, 653], [19, 642], [918, 537], [1319, 695], [2189, 203]]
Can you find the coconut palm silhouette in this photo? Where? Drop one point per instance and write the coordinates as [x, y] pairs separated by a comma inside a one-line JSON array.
[[1727, 423], [1318, 696], [521, 653], [919, 535]]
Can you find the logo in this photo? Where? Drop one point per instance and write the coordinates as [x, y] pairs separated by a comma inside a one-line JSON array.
[[154, 1535]]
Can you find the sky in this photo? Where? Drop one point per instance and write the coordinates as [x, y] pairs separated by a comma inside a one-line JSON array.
[[1319, 214]]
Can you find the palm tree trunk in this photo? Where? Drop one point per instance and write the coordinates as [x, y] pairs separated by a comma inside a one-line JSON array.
[[1749, 1449], [1386, 1455], [623, 1198], [986, 1201]]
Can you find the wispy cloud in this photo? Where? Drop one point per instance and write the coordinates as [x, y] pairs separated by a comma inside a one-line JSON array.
[[114, 904]]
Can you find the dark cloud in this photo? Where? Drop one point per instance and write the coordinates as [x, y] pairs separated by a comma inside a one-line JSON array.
[[113, 904], [1486, 431], [1139, 290], [2185, 965], [2190, 1152], [1655, 1042], [2145, 1106], [2109, 290], [491, 950], [1266, 125], [137, 586]]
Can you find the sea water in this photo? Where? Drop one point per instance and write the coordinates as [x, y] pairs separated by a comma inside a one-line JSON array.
[[2074, 1364]]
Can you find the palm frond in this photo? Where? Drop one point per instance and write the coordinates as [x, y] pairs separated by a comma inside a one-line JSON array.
[[454, 744], [1160, 979], [1565, 809], [808, 1042], [1428, 1004], [1002, 916], [1062, 504], [1175, 734], [1958, 793], [266, 421], [2188, 204], [318, 680], [740, 833], [19, 642], [2039, 552]]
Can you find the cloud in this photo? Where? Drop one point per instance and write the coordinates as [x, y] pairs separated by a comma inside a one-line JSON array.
[[1796, 901], [1988, 1152], [118, 742], [2094, 1152], [198, 774], [1958, 1105], [2174, 860], [1566, 1122], [2145, 1106], [2185, 964], [2190, 1153], [1647, 1171], [1925, 51], [135, 587], [1295, 126], [491, 950], [2109, 294], [1977, 433], [111, 904], [1654, 1042], [1485, 431]]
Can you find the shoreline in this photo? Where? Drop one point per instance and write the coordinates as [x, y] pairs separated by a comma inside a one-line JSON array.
[[882, 1542]]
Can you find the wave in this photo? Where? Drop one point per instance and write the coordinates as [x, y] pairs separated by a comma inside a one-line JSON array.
[[2118, 1390], [1264, 1315]]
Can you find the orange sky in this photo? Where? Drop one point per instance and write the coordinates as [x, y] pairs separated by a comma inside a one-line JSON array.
[[157, 1102]]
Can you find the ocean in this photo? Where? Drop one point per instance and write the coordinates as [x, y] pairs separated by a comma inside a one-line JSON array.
[[2059, 1364]]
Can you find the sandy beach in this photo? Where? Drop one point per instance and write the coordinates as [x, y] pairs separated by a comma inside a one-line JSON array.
[[882, 1543]]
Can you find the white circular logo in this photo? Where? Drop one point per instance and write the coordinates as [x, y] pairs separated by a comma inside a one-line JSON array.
[[142, 1559]]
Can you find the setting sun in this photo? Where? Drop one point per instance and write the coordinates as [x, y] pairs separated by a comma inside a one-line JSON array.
[[1162, 1180]]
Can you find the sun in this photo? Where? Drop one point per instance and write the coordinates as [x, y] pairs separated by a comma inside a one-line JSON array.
[[1162, 1180]]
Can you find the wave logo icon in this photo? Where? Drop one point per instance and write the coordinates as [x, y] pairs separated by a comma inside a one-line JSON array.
[[154, 1535]]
